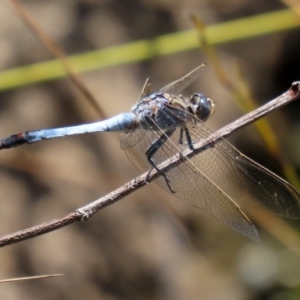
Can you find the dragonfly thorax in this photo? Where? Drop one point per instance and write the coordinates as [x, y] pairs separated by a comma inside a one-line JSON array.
[[160, 111], [201, 106], [149, 105]]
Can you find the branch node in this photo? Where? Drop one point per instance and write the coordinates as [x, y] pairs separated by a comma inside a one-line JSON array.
[[83, 215], [296, 86]]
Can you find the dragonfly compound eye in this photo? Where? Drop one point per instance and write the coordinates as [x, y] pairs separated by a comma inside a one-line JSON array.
[[201, 106]]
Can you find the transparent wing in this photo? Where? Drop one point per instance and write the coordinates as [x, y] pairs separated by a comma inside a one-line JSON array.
[[177, 86], [190, 184], [244, 179], [147, 88], [214, 179], [131, 139]]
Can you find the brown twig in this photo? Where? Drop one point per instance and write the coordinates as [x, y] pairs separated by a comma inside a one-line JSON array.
[[85, 212], [30, 278]]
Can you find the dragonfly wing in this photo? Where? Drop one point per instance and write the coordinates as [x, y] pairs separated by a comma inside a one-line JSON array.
[[265, 189], [191, 185], [131, 139], [194, 187], [177, 86], [243, 179], [146, 90]]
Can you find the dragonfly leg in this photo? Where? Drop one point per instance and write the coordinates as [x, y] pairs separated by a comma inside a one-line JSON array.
[[188, 138], [154, 147], [187, 133]]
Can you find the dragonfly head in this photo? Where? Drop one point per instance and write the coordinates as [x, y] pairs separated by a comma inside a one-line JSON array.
[[201, 106]]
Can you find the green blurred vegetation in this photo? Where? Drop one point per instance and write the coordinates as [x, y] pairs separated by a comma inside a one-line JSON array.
[[221, 33]]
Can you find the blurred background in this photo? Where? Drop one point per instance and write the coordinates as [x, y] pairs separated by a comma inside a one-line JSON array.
[[149, 245]]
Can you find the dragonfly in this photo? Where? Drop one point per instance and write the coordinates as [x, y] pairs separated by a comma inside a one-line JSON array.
[[163, 124]]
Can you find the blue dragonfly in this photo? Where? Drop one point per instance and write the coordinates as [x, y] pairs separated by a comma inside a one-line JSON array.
[[163, 124]]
